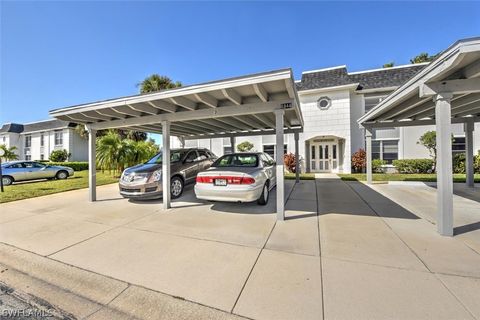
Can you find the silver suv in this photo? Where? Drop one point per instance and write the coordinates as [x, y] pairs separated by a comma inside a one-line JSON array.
[[144, 181]]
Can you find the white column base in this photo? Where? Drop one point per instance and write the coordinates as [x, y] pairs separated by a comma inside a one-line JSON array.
[[280, 165], [166, 164]]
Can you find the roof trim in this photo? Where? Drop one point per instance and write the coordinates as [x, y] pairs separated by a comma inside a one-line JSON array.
[[350, 86], [390, 68], [325, 69]]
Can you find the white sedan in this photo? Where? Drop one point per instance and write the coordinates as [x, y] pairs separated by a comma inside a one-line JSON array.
[[238, 177]]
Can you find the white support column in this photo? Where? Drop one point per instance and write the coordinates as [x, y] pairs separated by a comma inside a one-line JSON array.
[[469, 170], [368, 150], [280, 165], [232, 143], [297, 160], [166, 164], [444, 164], [92, 165]]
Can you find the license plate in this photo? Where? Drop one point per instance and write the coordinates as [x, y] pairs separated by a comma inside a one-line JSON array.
[[220, 182]]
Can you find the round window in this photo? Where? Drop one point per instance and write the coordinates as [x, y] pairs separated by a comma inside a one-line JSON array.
[[324, 103]]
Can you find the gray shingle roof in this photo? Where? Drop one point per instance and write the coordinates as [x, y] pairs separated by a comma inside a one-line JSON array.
[[382, 78], [35, 126]]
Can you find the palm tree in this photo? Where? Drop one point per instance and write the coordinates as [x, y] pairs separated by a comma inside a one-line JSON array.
[[156, 82], [9, 153], [115, 153]]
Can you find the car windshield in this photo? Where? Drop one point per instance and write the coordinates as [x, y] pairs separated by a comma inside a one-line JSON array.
[[175, 156], [237, 160]]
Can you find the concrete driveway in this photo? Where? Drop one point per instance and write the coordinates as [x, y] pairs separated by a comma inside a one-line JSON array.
[[345, 251]]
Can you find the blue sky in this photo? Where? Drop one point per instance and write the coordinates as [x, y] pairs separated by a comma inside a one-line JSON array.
[[56, 54]]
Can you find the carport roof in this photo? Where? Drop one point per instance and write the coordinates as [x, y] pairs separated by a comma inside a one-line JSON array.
[[230, 107], [456, 70]]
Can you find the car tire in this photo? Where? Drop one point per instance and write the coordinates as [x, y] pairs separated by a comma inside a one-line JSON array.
[[263, 200], [176, 187], [62, 174], [7, 180]]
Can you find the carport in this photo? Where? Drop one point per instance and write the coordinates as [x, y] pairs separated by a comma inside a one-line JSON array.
[[447, 91], [258, 104]]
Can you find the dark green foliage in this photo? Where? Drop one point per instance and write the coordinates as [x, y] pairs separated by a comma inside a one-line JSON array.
[[76, 166], [59, 155], [414, 165], [377, 165]]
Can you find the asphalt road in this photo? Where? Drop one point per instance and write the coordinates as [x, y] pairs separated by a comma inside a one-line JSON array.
[[20, 306]]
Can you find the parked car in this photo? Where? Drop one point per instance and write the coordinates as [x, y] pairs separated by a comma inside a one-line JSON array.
[[238, 177], [30, 170], [144, 181]]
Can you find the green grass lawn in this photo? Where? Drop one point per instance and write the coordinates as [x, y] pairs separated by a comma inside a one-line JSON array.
[[43, 187], [402, 177], [303, 176]]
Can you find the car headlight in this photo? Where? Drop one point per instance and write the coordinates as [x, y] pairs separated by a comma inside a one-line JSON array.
[[156, 175]]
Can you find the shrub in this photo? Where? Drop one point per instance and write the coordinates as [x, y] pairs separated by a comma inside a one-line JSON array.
[[289, 161], [476, 163], [377, 165], [458, 163], [76, 166], [245, 146], [59, 155], [359, 160], [414, 165]]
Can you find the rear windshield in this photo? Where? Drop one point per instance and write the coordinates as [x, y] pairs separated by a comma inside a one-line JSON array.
[[175, 156], [237, 160]]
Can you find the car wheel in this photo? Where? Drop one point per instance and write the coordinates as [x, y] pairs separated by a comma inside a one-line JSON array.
[[263, 200], [176, 187], [7, 180], [61, 175]]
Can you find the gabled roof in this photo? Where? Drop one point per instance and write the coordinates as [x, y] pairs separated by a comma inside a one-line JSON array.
[[36, 126], [370, 79]]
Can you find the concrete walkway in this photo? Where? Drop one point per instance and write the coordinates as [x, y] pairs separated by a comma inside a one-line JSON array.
[[345, 251]]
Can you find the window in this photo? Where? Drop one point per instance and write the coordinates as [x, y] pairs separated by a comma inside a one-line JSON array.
[[227, 150], [28, 157], [191, 156], [28, 141], [324, 103], [42, 140], [16, 166], [42, 156], [175, 156], [372, 101], [58, 137], [458, 145], [3, 139], [202, 155], [386, 150], [270, 149], [238, 160]]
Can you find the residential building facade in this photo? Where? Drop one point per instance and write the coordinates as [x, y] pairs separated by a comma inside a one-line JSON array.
[[37, 140], [332, 100]]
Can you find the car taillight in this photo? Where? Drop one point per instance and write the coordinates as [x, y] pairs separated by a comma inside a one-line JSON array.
[[230, 179]]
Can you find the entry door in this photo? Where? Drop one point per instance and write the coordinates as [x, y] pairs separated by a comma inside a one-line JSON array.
[[324, 157]]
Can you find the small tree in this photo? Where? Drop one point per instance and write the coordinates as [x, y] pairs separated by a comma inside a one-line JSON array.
[[429, 141], [388, 65], [245, 146], [359, 160], [59, 155], [423, 57], [9, 153]]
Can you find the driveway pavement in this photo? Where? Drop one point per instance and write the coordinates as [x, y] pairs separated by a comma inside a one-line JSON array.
[[345, 251]]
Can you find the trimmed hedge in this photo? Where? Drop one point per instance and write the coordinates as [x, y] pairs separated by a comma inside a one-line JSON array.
[[76, 166], [413, 165], [458, 163], [377, 165]]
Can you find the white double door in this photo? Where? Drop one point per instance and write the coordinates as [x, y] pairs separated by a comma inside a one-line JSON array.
[[324, 157]]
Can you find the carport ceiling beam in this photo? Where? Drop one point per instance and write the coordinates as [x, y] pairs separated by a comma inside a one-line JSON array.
[[458, 86], [261, 92], [233, 96], [230, 111], [145, 108], [207, 99], [163, 105], [184, 102]]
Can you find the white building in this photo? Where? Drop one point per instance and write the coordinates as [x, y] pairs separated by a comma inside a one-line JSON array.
[[332, 100], [37, 140]]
